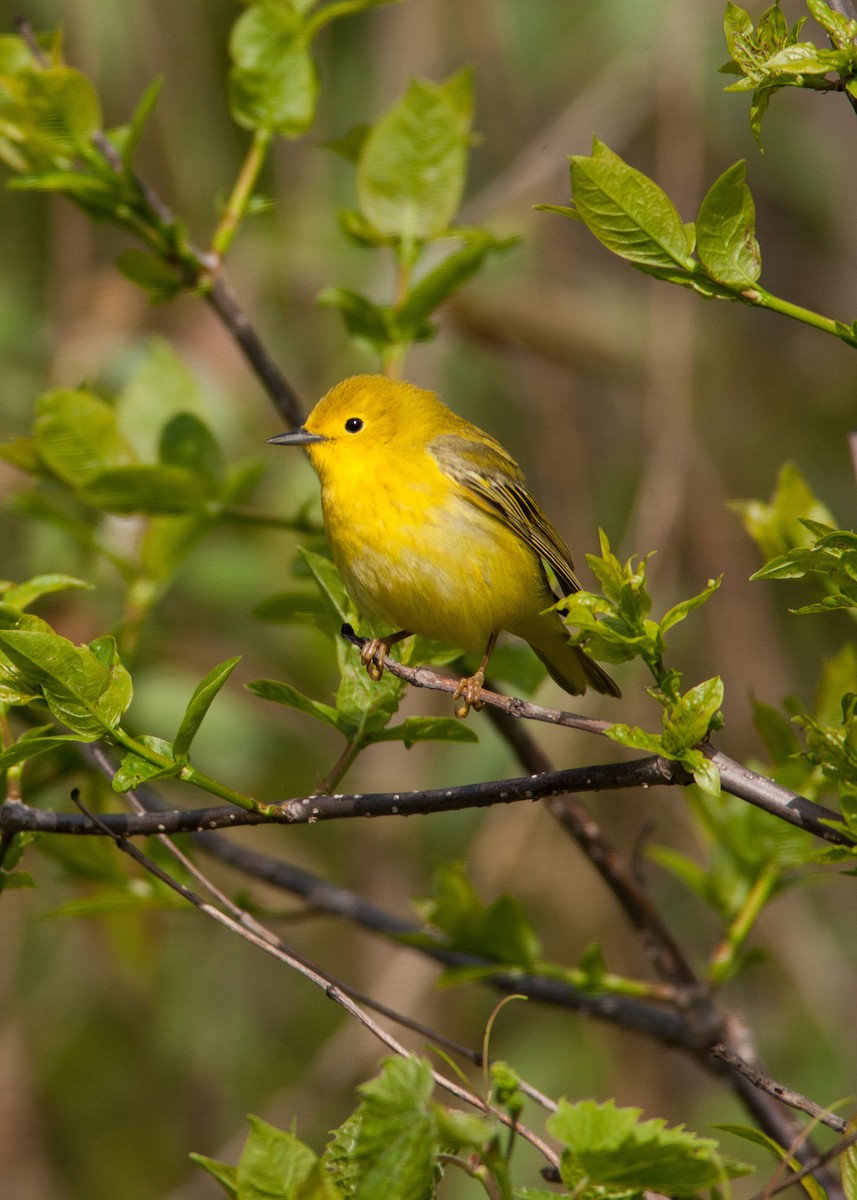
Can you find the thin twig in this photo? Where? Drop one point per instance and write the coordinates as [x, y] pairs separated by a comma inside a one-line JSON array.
[[762, 1080], [277, 949], [222, 300], [248, 921], [735, 779], [217, 293]]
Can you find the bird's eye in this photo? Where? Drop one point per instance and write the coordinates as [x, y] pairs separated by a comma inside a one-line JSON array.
[[353, 425]]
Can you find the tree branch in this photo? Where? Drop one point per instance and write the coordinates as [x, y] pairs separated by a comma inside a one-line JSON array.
[[649, 772], [760, 1079], [272, 945]]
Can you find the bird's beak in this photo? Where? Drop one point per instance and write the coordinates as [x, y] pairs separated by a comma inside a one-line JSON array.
[[296, 437]]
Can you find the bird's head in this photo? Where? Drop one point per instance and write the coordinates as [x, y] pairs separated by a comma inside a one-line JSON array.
[[368, 416]]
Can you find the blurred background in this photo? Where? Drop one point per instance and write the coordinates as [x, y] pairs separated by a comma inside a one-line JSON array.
[[132, 1038]]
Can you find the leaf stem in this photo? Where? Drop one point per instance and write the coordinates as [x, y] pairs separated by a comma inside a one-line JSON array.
[[759, 298], [352, 748], [186, 772], [723, 960], [242, 193]]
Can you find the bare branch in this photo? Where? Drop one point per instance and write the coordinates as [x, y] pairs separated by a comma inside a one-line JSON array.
[[761, 1079]]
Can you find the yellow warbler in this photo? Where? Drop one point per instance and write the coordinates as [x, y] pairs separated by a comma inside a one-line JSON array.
[[433, 531]]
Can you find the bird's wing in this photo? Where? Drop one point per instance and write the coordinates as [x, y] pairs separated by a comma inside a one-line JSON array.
[[494, 481]]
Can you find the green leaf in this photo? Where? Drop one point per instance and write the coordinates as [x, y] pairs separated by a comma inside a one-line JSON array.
[[365, 321], [21, 453], [849, 1165], [284, 693], [777, 527], [273, 84], [275, 1165], [411, 172], [358, 230], [725, 231], [364, 706], [840, 29], [338, 8], [56, 111], [145, 488], [187, 442], [501, 932], [141, 896], [457, 1130], [160, 385], [127, 139], [225, 1175], [593, 964], [757, 1138], [76, 435], [86, 694], [199, 704], [330, 586], [611, 1147], [442, 282], [739, 36], [679, 611], [804, 58], [687, 722], [22, 595], [135, 769], [691, 874], [27, 748], [338, 1157], [395, 1138], [160, 280], [425, 729], [15, 55], [705, 774], [10, 880], [91, 193], [838, 677], [629, 213], [635, 737]]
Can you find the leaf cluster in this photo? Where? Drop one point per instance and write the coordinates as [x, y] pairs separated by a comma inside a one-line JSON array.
[[410, 171], [84, 468], [769, 56], [87, 690], [274, 81], [800, 540], [716, 256], [617, 626], [399, 1143], [502, 937]]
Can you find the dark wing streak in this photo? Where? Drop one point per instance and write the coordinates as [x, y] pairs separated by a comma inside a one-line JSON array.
[[495, 483]]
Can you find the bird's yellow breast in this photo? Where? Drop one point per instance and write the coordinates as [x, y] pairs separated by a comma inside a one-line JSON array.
[[416, 553]]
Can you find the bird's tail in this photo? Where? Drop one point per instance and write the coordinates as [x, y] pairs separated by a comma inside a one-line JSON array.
[[570, 666]]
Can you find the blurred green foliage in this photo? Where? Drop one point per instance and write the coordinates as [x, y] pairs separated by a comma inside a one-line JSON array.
[[632, 407]]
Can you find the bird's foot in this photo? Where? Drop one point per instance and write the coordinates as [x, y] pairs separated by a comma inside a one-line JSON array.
[[372, 655], [466, 694]]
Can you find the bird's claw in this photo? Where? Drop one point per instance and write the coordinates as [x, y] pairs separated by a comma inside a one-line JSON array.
[[466, 694], [372, 653]]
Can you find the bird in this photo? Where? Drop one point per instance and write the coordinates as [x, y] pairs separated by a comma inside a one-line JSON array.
[[434, 532]]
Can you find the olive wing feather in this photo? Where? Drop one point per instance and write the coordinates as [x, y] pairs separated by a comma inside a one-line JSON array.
[[495, 482]]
